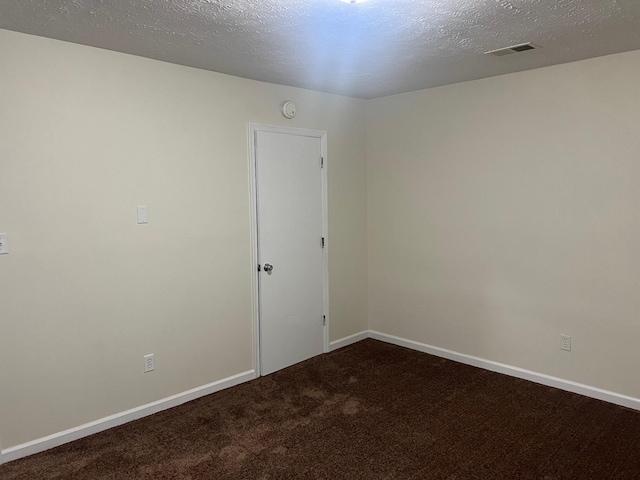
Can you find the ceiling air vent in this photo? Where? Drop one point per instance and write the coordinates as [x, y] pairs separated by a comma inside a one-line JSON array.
[[522, 47]]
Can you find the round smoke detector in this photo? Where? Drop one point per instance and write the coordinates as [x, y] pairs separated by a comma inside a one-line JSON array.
[[289, 109]]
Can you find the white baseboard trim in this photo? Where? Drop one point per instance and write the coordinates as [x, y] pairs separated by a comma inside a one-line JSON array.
[[548, 380], [66, 436], [76, 433], [343, 342]]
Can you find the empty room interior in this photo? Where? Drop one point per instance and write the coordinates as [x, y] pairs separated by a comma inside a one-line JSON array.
[[323, 239]]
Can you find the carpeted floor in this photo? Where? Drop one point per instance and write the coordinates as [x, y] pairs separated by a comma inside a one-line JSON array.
[[367, 411]]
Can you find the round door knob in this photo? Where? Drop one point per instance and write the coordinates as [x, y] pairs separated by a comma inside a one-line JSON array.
[[268, 268]]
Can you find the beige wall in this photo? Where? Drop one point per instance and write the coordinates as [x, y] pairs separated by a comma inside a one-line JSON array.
[[500, 214], [85, 136], [504, 212]]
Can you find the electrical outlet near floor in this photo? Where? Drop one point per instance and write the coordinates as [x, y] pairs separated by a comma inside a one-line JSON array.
[[565, 343], [148, 363]]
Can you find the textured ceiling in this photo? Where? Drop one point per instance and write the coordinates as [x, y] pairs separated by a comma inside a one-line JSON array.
[[370, 49]]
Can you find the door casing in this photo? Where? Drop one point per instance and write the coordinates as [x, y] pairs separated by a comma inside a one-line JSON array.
[[254, 128]]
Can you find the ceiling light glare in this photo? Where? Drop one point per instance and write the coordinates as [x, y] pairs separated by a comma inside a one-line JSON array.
[[352, 2]]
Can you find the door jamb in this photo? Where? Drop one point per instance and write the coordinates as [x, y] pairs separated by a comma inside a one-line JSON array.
[[253, 129]]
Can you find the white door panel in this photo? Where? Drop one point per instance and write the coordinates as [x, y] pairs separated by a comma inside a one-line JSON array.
[[289, 192]]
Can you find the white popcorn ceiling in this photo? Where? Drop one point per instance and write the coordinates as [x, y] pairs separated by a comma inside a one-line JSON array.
[[367, 50]]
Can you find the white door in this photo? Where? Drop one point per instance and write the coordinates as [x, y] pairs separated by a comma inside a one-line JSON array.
[[290, 248]]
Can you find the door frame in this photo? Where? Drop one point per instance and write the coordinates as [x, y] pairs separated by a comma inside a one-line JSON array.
[[253, 129]]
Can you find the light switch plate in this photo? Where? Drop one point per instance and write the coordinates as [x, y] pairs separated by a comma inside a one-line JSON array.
[[4, 243], [143, 214]]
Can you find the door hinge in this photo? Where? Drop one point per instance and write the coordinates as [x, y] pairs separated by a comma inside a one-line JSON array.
[[322, 242], [321, 162], [324, 320]]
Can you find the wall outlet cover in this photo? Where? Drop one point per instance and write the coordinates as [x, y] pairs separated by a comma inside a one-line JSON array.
[[148, 363]]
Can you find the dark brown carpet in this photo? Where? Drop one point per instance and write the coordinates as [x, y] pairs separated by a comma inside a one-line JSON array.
[[368, 411]]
